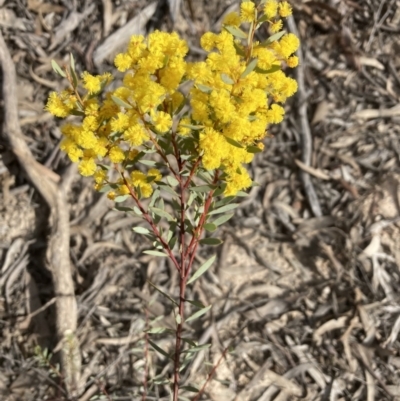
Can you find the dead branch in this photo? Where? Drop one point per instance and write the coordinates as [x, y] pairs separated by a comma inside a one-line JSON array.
[[45, 181]]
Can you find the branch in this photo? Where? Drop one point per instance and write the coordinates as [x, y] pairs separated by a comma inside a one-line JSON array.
[[45, 181]]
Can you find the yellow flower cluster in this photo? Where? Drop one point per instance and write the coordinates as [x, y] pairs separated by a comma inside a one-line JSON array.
[[233, 100]]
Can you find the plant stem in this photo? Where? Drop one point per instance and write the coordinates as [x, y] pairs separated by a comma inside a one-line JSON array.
[[178, 340]]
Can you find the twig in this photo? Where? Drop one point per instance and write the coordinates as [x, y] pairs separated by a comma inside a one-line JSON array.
[[146, 357], [58, 246], [215, 367], [306, 138]]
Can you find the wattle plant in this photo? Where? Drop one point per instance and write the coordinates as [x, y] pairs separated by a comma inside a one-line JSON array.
[[146, 138]]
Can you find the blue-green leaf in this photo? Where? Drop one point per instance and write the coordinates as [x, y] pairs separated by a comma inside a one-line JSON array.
[[57, 69], [211, 241], [273, 38], [155, 253], [210, 227], [222, 219], [158, 349], [120, 102], [234, 143], [141, 230], [227, 79], [121, 198], [224, 209], [163, 293], [197, 348], [202, 269], [250, 68], [199, 313], [204, 88], [238, 33], [172, 181]]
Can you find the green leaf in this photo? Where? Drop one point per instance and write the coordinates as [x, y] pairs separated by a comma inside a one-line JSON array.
[[141, 230], [238, 33], [155, 253], [167, 188], [194, 127], [77, 112], [262, 19], [189, 341], [225, 208], [222, 219], [204, 88], [199, 313], [223, 201], [202, 269], [211, 241], [203, 188], [163, 293], [172, 242], [210, 227], [234, 143], [158, 349], [220, 190], [239, 50], [172, 181], [189, 388], [72, 69], [227, 79], [120, 102], [147, 162], [123, 209], [57, 69], [137, 210], [273, 38], [274, 68], [121, 198], [250, 67], [197, 349], [253, 149], [72, 61], [155, 330], [161, 213], [197, 304], [178, 319]]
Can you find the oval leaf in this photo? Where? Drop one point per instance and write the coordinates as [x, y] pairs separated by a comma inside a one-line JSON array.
[[210, 227], [141, 230], [121, 198], [227, 79], [204, 88], [172, 181], [211, 241]]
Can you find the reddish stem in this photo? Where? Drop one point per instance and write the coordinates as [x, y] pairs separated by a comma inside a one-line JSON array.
[[151, 223], [146, 357]]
